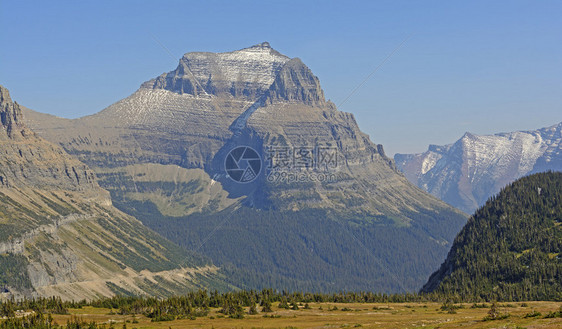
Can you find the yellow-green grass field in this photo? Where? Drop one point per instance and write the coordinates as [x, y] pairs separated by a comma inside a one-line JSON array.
[[346, 315]]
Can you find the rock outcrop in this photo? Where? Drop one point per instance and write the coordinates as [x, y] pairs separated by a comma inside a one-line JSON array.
[[10, 114]]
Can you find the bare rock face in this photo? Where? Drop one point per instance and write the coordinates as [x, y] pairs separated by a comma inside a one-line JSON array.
[[465, 174], [296, 83]]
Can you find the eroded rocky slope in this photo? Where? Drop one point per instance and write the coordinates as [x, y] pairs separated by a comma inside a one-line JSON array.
[[60, 234]]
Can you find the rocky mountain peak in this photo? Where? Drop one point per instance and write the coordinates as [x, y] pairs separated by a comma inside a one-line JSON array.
[[10, 114], [246, 73], [255, 73], [263, 45], [4, 95], [468, 136]]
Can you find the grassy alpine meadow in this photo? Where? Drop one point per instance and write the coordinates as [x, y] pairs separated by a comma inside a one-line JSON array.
[[342, 315]]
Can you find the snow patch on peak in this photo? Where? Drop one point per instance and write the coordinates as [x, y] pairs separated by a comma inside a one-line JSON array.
[[502, 154], [429, 162]]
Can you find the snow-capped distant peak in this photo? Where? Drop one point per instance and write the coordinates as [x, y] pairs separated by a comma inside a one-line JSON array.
[[478, 166]]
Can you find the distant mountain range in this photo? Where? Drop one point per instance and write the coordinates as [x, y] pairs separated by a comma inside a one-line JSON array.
[[60, 234], [511, 248], [468, 172], [162, 151]]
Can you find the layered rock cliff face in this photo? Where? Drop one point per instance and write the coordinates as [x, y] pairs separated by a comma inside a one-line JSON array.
[[60, 234], [246, 73], [465, 174], [189, 119], [27, 159]]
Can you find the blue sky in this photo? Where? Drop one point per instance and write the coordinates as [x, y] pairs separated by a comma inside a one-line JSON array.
[[478, 66]]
